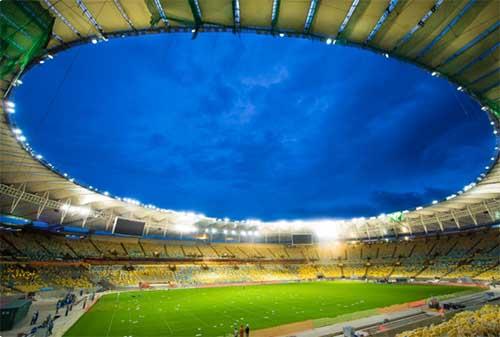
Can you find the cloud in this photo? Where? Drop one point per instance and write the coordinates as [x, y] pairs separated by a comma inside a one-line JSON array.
[[254, 126]]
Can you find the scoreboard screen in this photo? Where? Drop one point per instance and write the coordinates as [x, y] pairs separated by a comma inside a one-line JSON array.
[[302, 239], [128, 227]]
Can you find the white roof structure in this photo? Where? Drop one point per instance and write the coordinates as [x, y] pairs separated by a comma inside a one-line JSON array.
[[418, 32]]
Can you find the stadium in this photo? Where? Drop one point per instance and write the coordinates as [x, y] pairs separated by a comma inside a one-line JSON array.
[[79, 261]]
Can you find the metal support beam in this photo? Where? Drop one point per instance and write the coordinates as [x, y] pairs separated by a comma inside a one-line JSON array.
[[84, 221], [196, 11], [440, 223], [446, 29], [42, 206], [62, 18], [147, 225], [91, 18], [109, 221], [472, 43], [419, 25], [16, 201], [65, 210], [381, 21], [423, 224], [490, 213], [275, 14], [478, 59], [455, 219], [236, 15], [471, 215], [353, 7], [124, 15], [161, 12], [313, 8], [380, 229]]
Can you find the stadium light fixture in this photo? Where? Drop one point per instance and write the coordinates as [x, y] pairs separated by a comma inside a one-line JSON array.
[[329, 41], [94, 41], [419, 208], [21, 138], [39, 156], [50, 56], [214, 230], [18, 82], [10, 104], [183, 228], [106, 193], [434, 202], [233, 232], [282, 35], [224, 231], [386, 55], [243, 233], [435, 73], [17, 131], [42, 61], [460, 88]]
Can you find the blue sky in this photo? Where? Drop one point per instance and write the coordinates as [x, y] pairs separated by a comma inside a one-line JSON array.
[[253, 126]]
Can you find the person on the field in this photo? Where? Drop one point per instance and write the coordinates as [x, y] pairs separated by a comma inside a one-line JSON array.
[[34, 318], [235, 334], [247, 331], [50, 326], [242, 331]]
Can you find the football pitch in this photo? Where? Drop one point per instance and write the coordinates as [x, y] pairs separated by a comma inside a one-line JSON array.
[[214, 311]]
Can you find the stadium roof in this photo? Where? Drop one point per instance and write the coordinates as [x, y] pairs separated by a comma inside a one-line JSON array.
[[456, 40]]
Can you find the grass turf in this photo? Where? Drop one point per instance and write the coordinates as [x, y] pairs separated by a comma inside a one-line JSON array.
[[214, 311]]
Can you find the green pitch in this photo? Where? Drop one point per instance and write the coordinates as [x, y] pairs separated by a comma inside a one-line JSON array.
[[211, 312]]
